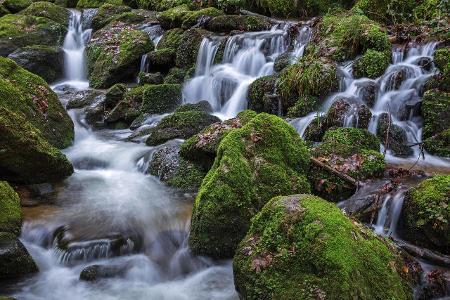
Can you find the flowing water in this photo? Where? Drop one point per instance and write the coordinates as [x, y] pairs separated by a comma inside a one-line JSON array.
[[246, 57], [111, 213], [155, 32]]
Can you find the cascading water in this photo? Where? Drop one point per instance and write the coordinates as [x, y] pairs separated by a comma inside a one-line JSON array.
[[74, 54], [392, 96], [246, 57], [155, 32]]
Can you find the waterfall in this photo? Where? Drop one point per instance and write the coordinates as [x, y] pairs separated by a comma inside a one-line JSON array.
[[155, 32], [246, 57], [74, 54], [396, 90]]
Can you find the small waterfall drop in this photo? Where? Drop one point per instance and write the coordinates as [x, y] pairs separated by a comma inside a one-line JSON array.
[[246, 57], [74, 55], [155, 32]]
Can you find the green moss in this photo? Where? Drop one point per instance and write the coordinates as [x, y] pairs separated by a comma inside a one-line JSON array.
[[10, 211], [346, 35], [425, 217], [22, 30], [191, 18], [435, 112], [387, 11], [128, 108], [96, 3], [113, 52], [171, 39], [302, 247], [442, 61], [303, 106], [173, 18], [181, 125], [107, 13], [161, 59], [175, 76], [264, 158], [439, 144], [15, 6], [372, 64], [48, 10], [189, 45], [162, 98], [30, 96], [227, 23], [258, 89], [430, 10]]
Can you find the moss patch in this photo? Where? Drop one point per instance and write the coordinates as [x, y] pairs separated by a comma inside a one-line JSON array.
[[10, 211]]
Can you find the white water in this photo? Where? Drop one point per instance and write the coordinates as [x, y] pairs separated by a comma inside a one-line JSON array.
[[247, 57], [389, 99], [389, 214], [155, 32], [74, 54]]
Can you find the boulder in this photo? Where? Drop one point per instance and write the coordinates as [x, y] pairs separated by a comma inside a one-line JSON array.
[[258, 89], [176, 76], [14, 6], [128, 108], [98, 272], [96, 3], [425, 215], [84, 98], [106, 14], [15, 260], [187, 50], [115, 94], [45, 61], [263, 159], [282, 61], [180, 125], [19, 30], [302, 247], [162, 59], [171, 39], [48, 10], [10, 210], [227, 23], [392, 136], [438, 144], [435, 112], [355, 114], [372, 64], [114, 53], [150, 78], [441, 62], [162, 98]]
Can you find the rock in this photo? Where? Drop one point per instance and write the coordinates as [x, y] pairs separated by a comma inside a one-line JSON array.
[[114, 52], [298, 247], [106, 14], [438, 144], [14, 6], [162, 98], [315, 131], [95, 112], [181, 125], [45, 61], [48, 10], [435, 285], [173, 17], [282, 61], [10, 210], [441, 62], [17, 31], [342, 111], [258, 89], [350, 151], [15, 260], [128, 108], [424, 218], [303, 106], [161, 59], [84, 98], [150, 78], [435, 112], [175, 171], [372, 64], [392, 136], [367, 90], [189, 45], [426, 63], [94, 3], [175, 76], [227, 23], [171, 39], [115, 94], [98, 272], [386, 11], [29, 96], [203, 106], [343, 36], [202, 147], [250, 168]]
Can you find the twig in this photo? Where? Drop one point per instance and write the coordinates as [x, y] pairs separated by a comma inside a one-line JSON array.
[[334, 171], [386, 140]]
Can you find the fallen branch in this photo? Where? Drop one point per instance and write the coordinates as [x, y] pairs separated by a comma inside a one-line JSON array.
[[335, 172], [431, 256]]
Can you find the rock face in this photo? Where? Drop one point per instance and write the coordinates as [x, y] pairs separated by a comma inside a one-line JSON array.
[[351, 151], [264, 158], [18, 31], [426, 214], [44, 61], [33, 124], [302, 247], [114, 52]]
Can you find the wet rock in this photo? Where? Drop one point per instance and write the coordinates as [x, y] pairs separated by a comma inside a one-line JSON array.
[[315, 131], [438, 144], [368, 92], [436, 285], [303, 106], [113, 54], [84, 98], [189, 45], [392, 136], [426, 63], [98, 272], [337, 113], [114, 95], [15, 260], [287, 241], [161, 59], [181, 125], [282, 61], [128, 108], [258, 89], [425, 214], [227, 23], [10, 211], [95, 112], [175, 171], [150, 78], [163, 98], [106, 14], [176, 76], [372, 64], [44, 61], [264, 158]]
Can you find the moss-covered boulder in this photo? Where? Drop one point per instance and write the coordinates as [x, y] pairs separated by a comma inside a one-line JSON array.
[[180, 125], [175, 171], [350, 151], [23, 30], [115, 94], [171, 39], [45, 61], [342, 113], [435, 112], [188, 48], [48, 10], [264, 158], [176, 76], [14, 6], [96, 3], [162, 59], [150, 78], [30, 96], [173, 18], [114, 53], [162, 98], [344, 36], [10, 211], [198, 17], [372, 64], [106, 13], [311, 78], [258, 89], [387, 11], [227, 23], [302, 247], [392, 136], [202, 147], [15, 260], [438, 144], [443, 64], [128, 108], [425, 218]]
